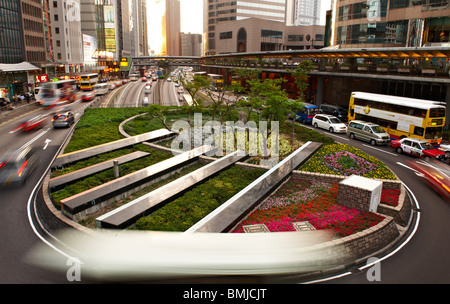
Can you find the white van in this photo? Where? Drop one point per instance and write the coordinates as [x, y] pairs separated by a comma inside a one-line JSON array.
[[145, 101], [101, 89]]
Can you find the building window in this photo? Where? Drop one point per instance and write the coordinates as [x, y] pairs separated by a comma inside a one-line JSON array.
[[271, 34], [226, 35]]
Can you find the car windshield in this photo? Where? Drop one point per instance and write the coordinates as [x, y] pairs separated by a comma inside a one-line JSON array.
[[426, 146], [335, 120], [377, 129]]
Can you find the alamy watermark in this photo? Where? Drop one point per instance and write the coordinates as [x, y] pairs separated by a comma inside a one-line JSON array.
[[374, 272], [238, 137]]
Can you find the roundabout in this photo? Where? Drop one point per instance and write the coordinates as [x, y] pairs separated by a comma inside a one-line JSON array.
[[292, 255]]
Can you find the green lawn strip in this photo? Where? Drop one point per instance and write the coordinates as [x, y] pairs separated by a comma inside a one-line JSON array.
[[98, 126], [99, 159], [100, 178], [185, 211], [89, 221]]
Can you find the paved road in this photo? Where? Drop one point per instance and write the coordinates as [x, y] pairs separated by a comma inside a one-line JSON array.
[[422, 260]]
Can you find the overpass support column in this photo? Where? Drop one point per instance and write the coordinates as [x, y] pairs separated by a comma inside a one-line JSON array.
[[320, 90], [447, 100]]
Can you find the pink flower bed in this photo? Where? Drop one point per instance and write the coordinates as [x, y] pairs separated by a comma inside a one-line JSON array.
[[315, 202]]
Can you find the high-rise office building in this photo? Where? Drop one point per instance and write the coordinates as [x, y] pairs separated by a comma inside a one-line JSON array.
[[302, 12], [138, 28], [390, 23], [255, 25], [171, 28], [191, 44], [66, 35], [12, 49]]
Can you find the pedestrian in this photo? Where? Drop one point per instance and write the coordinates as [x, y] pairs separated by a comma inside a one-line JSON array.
[[3, 104], [27, 97], [15, 100]]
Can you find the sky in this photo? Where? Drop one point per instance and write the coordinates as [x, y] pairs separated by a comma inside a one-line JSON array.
[[191, 18]]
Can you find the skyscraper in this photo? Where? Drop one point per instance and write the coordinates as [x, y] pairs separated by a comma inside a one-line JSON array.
[[302, 12], [171, 28], [258, 25], [66, 35]]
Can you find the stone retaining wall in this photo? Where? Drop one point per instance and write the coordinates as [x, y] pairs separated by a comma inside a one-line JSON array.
[[358, 246], [401, 213]]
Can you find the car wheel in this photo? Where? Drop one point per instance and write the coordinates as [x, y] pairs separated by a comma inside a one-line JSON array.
[[331, 130], [352, 136], [315, 125], [373, 142], [426, 158], [399, 150]]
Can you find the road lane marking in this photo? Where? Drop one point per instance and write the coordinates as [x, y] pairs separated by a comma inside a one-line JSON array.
[[47, 141], [414, 170], [11, 120], [340, 137], [390, 153], [34, 139]]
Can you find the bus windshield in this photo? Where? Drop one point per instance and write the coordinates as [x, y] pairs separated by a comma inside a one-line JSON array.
[[433, 133], [437, 112]]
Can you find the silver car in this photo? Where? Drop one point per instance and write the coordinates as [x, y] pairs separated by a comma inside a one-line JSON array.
[[17, 166], [63, 120]]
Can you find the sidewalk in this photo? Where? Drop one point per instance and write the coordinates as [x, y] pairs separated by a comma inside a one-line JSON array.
[[20, 106]]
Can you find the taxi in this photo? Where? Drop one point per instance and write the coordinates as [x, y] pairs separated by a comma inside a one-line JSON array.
[[418, 147]]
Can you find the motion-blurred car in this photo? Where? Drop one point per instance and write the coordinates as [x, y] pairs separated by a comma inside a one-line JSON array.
[[436, 174], [64, 119], [169, 79], [32, 124], [112, 87], [145, 101], [144, 79], [147, 89], [418, 148], [88, 96], [17, 166], [118, 84], [445, 148]]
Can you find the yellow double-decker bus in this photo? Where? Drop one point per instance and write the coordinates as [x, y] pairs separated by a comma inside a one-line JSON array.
[[88, 81], [400, 116], [216, 82]]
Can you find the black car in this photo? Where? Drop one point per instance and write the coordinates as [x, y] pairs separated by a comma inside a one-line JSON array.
[[63, 119], [334, 110]]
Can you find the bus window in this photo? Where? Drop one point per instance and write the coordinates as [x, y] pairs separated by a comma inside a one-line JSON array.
[[433, 133]]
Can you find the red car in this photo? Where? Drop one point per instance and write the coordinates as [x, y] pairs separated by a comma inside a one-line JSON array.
[[88, 96], [418, 147], [436, 174], [32, 124]]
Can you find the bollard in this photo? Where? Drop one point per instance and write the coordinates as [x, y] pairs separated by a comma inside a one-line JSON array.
[[116, 168]]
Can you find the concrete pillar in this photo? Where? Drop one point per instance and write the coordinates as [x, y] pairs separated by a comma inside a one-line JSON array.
[[447, 100], [320, 90]]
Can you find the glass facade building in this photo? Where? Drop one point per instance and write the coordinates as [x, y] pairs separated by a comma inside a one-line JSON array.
[[12, 49], [378, 23]]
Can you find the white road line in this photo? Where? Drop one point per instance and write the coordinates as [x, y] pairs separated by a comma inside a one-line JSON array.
[[390, 153], [34, 139], [340, 137], [415, 171]]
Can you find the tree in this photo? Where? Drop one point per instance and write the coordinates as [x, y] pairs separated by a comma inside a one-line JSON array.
[[194, 86], [301, 77]]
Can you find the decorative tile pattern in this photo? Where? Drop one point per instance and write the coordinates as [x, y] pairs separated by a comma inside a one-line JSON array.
[[303, 226], [255, 228]]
